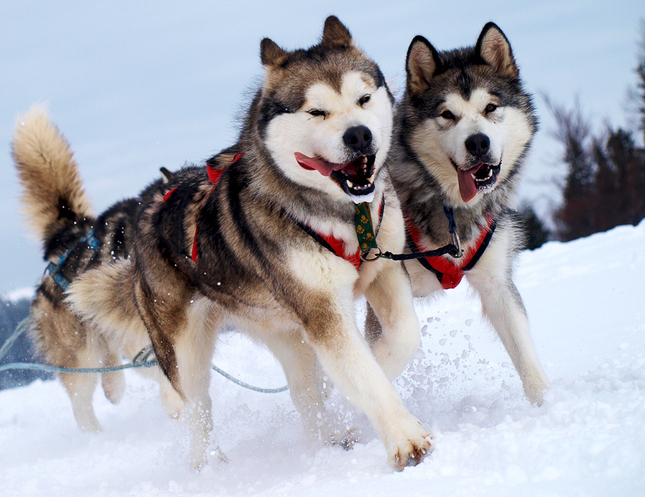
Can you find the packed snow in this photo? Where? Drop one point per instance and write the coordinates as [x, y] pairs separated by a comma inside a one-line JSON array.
[[585, 304]]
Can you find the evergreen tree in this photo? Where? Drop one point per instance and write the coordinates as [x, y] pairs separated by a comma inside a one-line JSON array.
[[606, 174], [536, 232]]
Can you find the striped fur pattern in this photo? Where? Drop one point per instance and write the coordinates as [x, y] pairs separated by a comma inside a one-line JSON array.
[[314, 142]]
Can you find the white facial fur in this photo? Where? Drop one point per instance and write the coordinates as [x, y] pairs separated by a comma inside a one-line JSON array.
[[439, 140], [318, 136]]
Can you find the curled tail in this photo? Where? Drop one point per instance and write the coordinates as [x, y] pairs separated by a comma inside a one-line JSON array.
[[53, 196]]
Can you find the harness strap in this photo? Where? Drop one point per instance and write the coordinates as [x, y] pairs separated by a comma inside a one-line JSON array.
[[53, 270], [449, 274], [214, 176], [337, 246], [330, 242]]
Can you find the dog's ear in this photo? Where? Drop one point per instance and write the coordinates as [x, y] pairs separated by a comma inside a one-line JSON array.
[[493, 47], [422, 62], [335, 34], [271, 54]]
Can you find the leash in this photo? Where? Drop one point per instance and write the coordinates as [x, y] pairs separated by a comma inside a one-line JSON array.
[[453, 249], [145, 358]]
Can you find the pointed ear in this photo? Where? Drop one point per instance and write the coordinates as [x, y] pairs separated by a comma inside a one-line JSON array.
[[421, 65], [271, 54], [335, 34], [493, 47]]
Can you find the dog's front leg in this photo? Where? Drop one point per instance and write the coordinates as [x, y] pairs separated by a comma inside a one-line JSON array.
[[347, 359], [300, 366], [503, 306], [390, 297]]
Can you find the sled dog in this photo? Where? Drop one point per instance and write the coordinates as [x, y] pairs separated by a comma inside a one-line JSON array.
[[73, 239], [269, 245], [462, 131]]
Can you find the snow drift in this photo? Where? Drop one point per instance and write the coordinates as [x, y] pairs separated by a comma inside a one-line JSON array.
[[585, 305]]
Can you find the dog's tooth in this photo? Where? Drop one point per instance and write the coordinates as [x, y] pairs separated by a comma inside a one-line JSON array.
[[349, 183]]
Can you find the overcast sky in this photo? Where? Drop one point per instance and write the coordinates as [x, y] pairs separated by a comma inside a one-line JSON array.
[[140, 84]]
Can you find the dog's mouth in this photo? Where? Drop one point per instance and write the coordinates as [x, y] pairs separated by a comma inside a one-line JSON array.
[[480, 178], [355, 177]]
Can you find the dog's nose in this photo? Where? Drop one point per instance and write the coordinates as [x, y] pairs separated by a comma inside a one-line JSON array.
[[358, 139], [478, 144]]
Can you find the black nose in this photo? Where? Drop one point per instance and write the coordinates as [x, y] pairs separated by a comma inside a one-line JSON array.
[[478, 145], [358, 139]]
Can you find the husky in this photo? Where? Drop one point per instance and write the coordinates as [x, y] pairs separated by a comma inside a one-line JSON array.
[[462, 131], [270, 246], [60, 215]]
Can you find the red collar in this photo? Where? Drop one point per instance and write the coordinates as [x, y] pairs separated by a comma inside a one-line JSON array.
[[336, 245], [446, 271]]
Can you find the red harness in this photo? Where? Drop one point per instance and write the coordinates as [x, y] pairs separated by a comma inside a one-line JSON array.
[[330, 242], [446, 271]]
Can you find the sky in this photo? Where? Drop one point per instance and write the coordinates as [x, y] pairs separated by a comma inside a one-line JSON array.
[[138, 85], [586, 440]]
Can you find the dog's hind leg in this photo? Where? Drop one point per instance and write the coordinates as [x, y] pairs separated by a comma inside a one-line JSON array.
[[113, 382], [183, 338], [80, 388], [194, 349], [392, 327]]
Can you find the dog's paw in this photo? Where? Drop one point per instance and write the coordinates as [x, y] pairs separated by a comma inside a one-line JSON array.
[[113, 386], [171, 401], [411, 453], [345, 440], [534, 389], [412, 444]]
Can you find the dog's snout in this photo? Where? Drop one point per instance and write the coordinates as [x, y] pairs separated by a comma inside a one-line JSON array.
[[478, 145], [358, 139]]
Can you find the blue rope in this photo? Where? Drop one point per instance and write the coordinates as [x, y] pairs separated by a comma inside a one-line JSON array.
[[142, 359], [22, 327], [250, 387]]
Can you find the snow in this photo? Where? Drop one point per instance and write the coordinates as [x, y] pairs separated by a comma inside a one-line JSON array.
[[585, 303]]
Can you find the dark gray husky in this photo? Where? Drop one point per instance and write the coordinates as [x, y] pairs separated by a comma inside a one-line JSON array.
[[461, 133]]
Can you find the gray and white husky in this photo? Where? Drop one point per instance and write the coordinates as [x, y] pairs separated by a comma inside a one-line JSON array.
[[462, 130], [270, 246]]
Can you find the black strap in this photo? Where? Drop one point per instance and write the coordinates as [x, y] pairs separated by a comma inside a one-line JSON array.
[[482, 247]]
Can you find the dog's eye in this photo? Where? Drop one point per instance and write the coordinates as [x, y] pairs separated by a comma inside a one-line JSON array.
[[446, 114], [364, 99], [490, 108], [317, 113]]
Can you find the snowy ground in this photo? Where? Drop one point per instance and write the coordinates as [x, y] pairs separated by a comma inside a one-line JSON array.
[[585, 303]]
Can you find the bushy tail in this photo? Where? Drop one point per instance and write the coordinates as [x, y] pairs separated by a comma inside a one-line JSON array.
[[53, 194]]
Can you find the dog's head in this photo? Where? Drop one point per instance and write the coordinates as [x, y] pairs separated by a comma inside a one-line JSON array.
[[325, 114], [470, 120]]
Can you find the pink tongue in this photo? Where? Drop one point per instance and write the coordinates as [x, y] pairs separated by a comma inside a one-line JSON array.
[[313, 164], [467, 187]]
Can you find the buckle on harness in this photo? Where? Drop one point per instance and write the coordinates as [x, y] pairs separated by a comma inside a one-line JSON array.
[[53, 270], [458, 252], [377, 255]]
